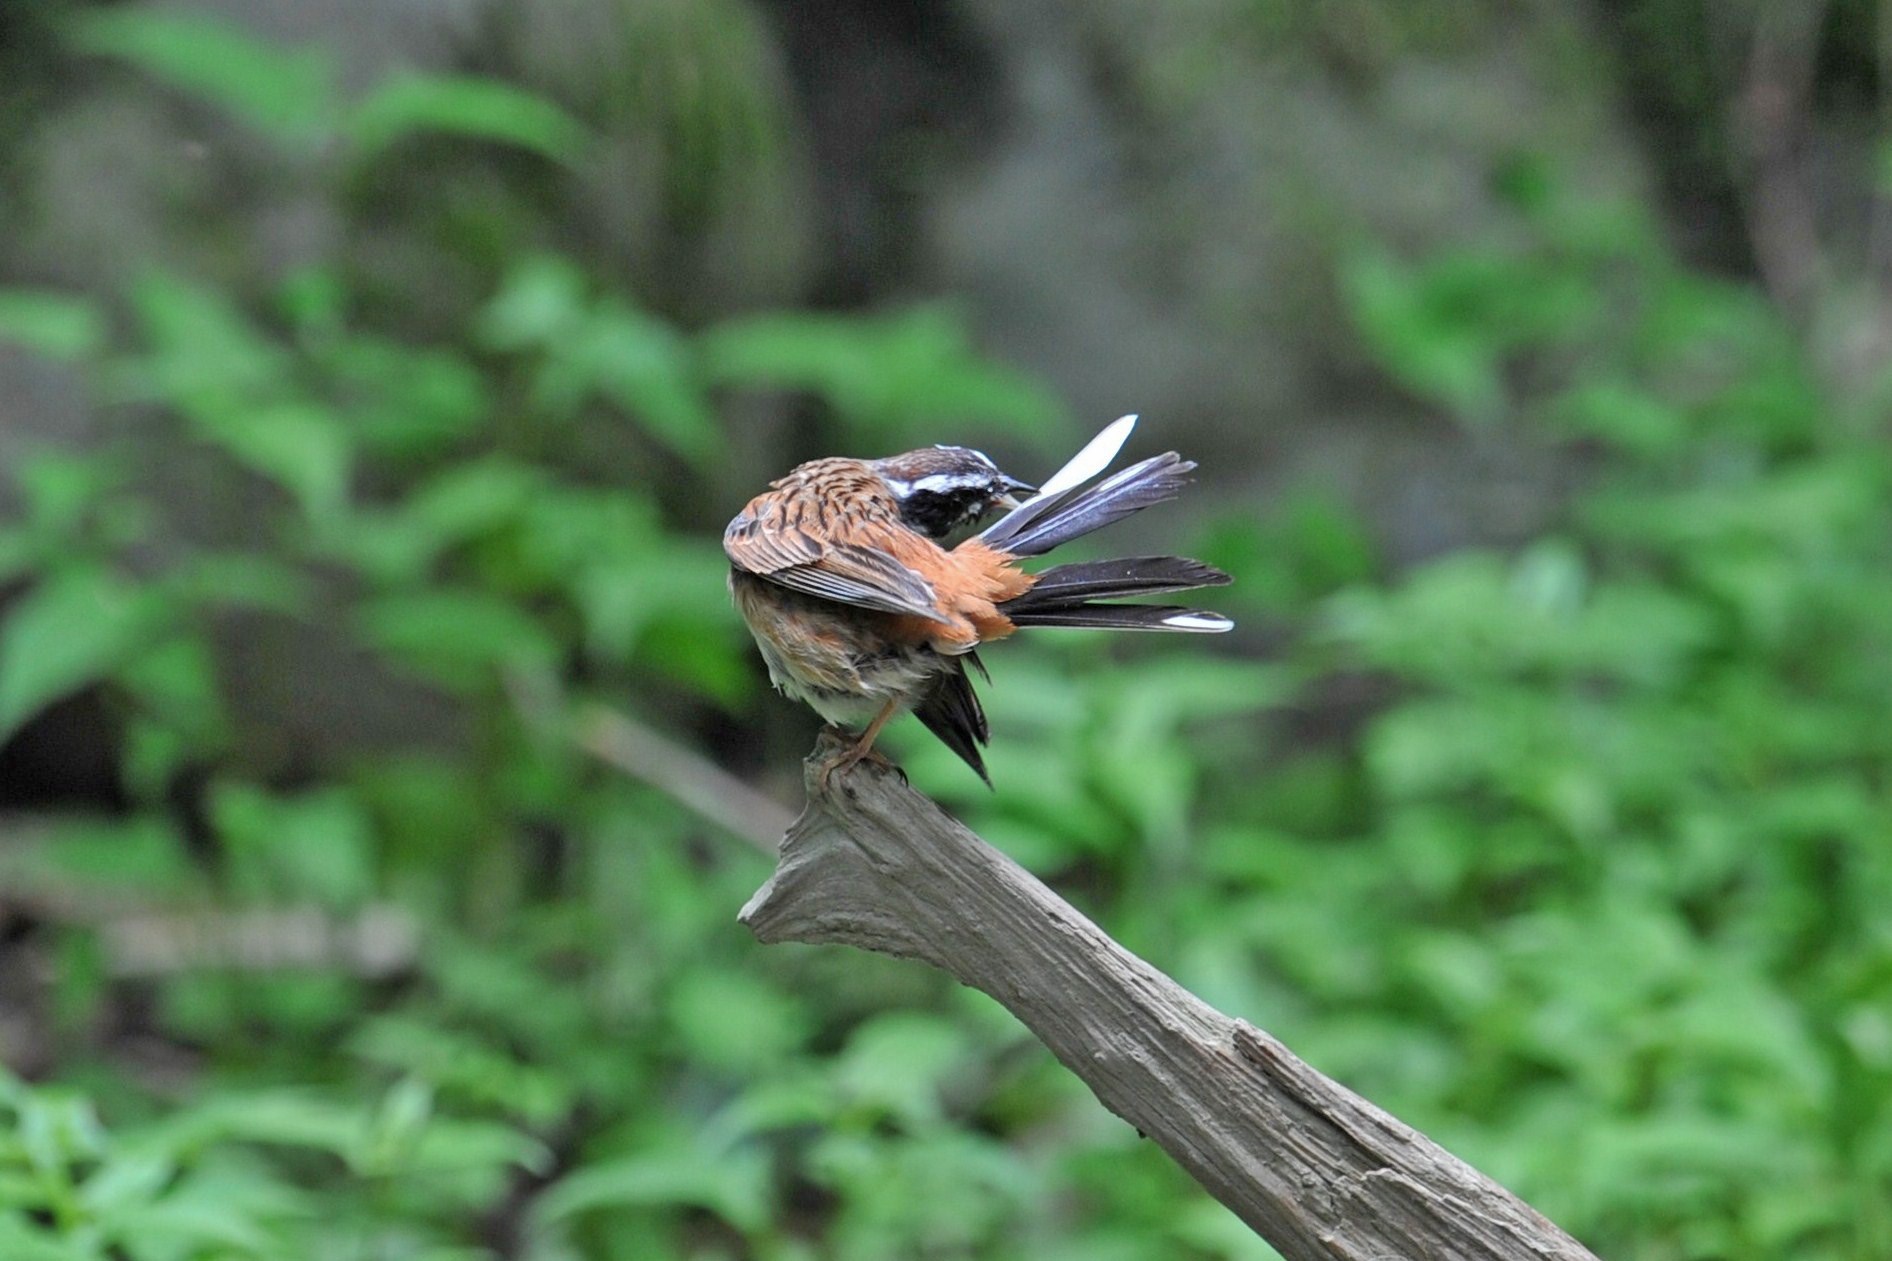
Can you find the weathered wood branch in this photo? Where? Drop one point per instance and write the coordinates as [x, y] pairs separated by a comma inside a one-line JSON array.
[[1317, 1171]]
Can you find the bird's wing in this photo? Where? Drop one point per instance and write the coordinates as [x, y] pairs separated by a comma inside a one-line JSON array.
[[767, 540]]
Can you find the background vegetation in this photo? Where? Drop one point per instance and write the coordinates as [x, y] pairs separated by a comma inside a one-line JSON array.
[[327, 936]]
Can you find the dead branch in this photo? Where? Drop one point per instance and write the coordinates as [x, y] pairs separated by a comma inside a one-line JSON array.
[[1317, 1171]]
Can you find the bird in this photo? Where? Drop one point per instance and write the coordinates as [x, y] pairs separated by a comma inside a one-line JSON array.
[[842, 572]]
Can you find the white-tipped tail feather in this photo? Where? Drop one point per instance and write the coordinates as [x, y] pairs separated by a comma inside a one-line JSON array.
[[1071, 505], [1208, 623], [1092, 460]]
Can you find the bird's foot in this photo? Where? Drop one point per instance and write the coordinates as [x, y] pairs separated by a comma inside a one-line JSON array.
[[857, 751]]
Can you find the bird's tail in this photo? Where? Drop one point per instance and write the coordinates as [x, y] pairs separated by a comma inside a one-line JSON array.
[[1052, 519], [1078, 595]]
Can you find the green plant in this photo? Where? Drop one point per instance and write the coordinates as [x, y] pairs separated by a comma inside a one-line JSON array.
[[1629, 808]]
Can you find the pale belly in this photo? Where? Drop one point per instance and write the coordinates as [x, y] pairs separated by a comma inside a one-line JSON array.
[[827, 656]]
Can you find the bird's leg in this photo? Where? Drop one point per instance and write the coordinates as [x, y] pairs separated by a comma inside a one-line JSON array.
[[860, 749]]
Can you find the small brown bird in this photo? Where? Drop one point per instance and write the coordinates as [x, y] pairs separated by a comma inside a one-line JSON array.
[[860, 612]]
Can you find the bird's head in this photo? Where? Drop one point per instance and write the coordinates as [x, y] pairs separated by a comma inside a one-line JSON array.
[[940, 489]]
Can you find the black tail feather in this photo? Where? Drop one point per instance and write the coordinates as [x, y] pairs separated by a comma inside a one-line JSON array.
[[1038, 526], [1151, 617], [952, 712], [1065, 585], [1074, 595]]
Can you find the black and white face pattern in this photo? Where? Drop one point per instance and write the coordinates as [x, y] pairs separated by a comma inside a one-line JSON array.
[[941, 489]]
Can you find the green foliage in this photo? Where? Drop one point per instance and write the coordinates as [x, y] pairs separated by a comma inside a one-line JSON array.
[[900, 375], [70, 631], [50, 323], [1574, 855], [1631, 806], [603, 349], [480, 109], [285, 91], [231, 1176], [291, 96]]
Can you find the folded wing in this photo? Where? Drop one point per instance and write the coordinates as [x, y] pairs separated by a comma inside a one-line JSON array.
[[766, 539]]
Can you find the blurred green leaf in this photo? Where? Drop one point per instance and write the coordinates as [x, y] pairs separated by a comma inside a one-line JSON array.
[[1434, 351], [69, 632], [285, 92], [317, 845], [64, 326], [542, 300], [450, 1145], [291, 1118], [1618, 412], [462, 1065], [458, 638], [24, 1241], [171, 1229], [733, 1185], [941, 1192], [111, 856], [603, 348], [733, 1020], [1448, 327], [895, 374], [646, 369], [300, 447], [897, 1063], [175, 686], [473, 499], [479, 109], [205, 355], [62, 489], [241, 580], [406, 402]]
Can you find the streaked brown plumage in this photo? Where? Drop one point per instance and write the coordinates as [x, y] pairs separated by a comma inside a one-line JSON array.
[[859, 611]]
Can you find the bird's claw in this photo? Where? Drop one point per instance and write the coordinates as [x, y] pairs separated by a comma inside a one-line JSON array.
[[850, 757]]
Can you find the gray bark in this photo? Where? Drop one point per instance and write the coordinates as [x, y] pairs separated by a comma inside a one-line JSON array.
[[1316, 1170]]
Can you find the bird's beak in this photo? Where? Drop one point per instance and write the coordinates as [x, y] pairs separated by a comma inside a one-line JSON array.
[[1015, 490]]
